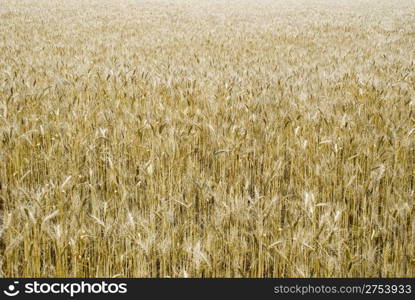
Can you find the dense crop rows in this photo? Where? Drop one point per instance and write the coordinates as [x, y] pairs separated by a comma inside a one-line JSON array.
[[207, 138]]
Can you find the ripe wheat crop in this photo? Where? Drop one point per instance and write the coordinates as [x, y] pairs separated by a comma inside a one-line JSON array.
[[191, 138]]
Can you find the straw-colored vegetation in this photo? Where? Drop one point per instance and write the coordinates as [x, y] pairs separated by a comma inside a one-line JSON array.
[[207, 138]]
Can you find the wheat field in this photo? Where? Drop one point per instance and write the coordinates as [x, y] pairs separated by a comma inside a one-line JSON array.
[[217, 138]]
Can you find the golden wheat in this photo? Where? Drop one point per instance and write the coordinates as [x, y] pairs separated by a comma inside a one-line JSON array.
[[207, 138]]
